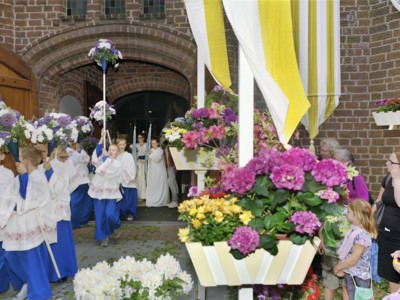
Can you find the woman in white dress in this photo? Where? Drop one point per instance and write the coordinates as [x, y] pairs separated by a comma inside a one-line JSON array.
[[157, 192], [140, 176]]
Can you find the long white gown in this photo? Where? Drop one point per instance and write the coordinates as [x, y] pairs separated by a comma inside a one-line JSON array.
[[157, 192], [140, 176]]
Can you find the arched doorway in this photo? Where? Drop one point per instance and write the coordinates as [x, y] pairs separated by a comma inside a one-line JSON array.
[[145, 107]]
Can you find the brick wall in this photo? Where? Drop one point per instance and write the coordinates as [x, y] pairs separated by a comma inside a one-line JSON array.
[[6, 24]]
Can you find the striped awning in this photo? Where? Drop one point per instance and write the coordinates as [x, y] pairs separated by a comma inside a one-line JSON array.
[[207, 24], [316, 32]]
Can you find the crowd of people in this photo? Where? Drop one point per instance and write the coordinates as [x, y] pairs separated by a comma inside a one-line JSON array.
[[53, 194]]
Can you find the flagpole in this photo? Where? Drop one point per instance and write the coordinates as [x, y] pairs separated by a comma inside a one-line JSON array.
[[104, 65]]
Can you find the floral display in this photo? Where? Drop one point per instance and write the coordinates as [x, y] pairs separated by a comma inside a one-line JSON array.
[[83, 125], [131, 279], [211, 217], [56, 127], [244, 239], [12, 126], [105, 50], [387, 104], [97, 112]]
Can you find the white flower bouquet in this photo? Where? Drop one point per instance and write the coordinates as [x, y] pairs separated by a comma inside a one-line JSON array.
[[97, 112], [83, 125], [131, 279], [12, 126], [105, 50]]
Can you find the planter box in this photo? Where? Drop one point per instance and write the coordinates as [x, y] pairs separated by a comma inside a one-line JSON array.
[[387, 118], [215, 266], [186, 159]]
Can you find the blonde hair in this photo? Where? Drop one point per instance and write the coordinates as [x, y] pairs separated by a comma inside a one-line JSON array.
[[32, 154], [120, 140], [115, 145], [363, 213]]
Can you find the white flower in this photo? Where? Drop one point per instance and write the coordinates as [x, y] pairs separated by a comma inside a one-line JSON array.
[[188, 285]]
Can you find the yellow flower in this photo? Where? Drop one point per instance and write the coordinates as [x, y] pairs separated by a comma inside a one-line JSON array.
[[182, 131], [193, 211], [183, 234], [201, 210], [200, 216], [218, 216], [236, 209], [246, 217], [196, 223]]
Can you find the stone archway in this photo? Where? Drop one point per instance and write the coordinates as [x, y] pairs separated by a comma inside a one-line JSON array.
[[53, 57]]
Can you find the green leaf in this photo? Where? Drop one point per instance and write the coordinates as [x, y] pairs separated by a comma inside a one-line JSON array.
[[237, 254], [261, 186], [274, 250], [329, 239], [280, 196], [285, 227], [298, 239], [267, 241], [272, 220], [257, 224], [312, 200], [310, 185], [256, 206]]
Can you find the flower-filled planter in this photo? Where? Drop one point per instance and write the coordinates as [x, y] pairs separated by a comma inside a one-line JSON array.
[[214, 265], [388, 112], [187, 159]]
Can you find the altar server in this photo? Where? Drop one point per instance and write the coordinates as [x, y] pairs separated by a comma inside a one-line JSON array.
[[141, 177], [59, 175], [31, 219], [129, 200], [81, 203], [157, 192], [105, 191]]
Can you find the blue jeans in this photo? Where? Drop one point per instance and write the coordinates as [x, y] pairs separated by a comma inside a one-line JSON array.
[[351, 289]]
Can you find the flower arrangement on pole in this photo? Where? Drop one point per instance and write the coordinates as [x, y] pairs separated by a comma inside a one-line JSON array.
[[100, 109], [131, 279]]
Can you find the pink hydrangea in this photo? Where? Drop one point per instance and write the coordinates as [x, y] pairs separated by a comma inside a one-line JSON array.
[[193, 192], [271, 158], [240, 180], [244, 239], [212, 113], [257, 165], [287, 176], [217, 132], [306, 222], [302, 157], [329, 195], [191, 139], [330, 172]]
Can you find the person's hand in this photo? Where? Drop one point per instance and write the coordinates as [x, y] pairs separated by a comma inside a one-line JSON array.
[[338, 272], [47, 165], [21, 169], [150, 151], [321, 248]]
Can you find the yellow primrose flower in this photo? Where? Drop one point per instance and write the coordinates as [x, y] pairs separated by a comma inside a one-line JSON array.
[[246, 217], [236, 209], [200, 216], [193, 211], [183, 234], [182, 131], [201, 210], [218, 216], [196, 223]]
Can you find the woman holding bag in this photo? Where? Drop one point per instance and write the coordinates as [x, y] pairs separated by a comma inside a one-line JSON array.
[[388, 229]]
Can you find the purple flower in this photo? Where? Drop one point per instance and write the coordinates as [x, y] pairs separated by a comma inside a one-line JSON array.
[[245, 239], [301, 157], [330, 172], [180, 120], [329, 195], [271, 158], [240, 180], [80, 121], [218, 88], [193, 192], [381, 102], [223, 151], [198, 126], [306, 221], [8, 120], [257, 165], [64, 121], [287, 176], [200, 113], [6, 136], [229, 116]]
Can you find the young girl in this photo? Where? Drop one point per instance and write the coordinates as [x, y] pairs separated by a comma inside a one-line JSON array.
[[157, 193], [355, 252], [141, 178], [104, 189], [58, 173], [129, 200], [81, 203]]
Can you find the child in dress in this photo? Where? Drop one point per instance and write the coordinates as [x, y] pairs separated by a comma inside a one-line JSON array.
[[157, 192], [81, 203], [31, 219], [355, 251], [59, 172], [141, 177], [105, 191], [129, 200]]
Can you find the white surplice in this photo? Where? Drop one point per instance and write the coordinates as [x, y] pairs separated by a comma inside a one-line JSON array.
[[80, 160], [140, 176], [157, 192], [128, 170]]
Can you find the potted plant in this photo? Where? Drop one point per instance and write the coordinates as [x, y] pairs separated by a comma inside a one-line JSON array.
[[387, 113], [128, 278], [279, 193]]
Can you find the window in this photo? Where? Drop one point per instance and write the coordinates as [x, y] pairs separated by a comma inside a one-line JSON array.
[[153, 6], [114, 7], [76, 7]]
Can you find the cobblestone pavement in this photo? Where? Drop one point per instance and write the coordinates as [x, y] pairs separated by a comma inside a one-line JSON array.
[[138, 239]]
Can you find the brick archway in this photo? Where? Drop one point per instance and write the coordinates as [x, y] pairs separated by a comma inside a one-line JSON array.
[[52, 57]]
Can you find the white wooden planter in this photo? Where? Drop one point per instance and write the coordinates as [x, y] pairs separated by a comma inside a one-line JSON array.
[[187, 159], [215, 266], [387, 118]]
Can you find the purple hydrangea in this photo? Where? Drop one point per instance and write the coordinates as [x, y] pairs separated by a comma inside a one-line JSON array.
[[271, 158], [193, 192], [223, 151], [240, 180], [301, 157], [306, 222], [8, 120], [200, 113], [6, 136], [329, 194], [330, 172], [229, 116], [64, 121], [257, 165], [287, 176], [245, 239]]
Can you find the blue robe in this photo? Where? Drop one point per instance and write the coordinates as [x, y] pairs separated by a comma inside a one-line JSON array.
[[81, 206]]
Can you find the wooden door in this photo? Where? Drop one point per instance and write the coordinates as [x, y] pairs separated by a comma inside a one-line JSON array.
[[18, 89]]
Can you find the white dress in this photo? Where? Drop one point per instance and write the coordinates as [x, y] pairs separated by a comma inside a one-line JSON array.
[[7, 198], [157, 192], [80, 160], [140, 176]]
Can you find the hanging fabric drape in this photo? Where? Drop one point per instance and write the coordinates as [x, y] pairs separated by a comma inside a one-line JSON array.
[[316, 33], [207, 24], [148, 145], [264, 31], [134, 146]]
